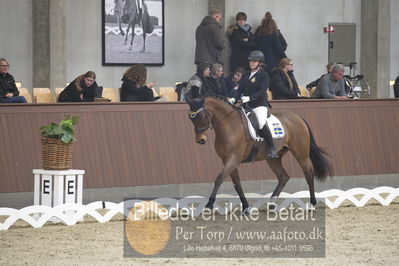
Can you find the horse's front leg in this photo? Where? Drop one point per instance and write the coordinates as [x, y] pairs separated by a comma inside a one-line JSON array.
[[229, 166], [131, 42], [129, 24], [143, 42]]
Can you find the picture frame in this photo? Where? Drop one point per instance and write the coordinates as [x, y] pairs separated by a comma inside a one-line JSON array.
[[147, 47]]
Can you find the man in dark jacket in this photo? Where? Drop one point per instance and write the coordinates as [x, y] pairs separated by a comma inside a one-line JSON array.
[[209, 39], [8, 90], [216, 80]]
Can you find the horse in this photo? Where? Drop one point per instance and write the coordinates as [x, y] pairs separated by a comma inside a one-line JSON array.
[[131, 14], [233, 145]]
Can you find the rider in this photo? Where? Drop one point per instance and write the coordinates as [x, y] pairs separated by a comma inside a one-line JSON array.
[[252, 90]]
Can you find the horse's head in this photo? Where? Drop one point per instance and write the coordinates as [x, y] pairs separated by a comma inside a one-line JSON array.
[[200, 119]]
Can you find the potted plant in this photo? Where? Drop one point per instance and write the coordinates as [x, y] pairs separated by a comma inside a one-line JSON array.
[[57, 140]]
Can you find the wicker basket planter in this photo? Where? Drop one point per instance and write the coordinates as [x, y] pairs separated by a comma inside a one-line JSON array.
[[56, 155]]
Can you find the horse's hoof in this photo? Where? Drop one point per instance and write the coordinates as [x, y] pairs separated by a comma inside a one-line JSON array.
[[209, 207], [245, 212], [271, 206], [311, 208]]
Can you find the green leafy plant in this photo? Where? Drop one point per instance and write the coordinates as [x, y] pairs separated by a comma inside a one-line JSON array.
[[64, 130]]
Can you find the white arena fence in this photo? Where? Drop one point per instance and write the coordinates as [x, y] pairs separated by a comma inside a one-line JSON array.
[[70, 214], [137, 31]]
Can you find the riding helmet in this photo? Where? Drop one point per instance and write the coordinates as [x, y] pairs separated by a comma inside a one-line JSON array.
[[256, 55]]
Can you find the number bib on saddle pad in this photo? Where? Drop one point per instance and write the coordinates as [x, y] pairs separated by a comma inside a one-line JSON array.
[[275, 126]]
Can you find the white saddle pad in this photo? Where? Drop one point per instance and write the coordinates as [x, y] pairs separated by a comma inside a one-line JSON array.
[[275, 127]]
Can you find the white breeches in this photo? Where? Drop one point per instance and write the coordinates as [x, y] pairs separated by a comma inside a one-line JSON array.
[[261, 114]]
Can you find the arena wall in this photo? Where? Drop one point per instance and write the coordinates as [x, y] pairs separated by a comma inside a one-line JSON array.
[[140, 144]]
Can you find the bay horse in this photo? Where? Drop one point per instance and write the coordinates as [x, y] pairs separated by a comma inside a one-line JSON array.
[[233, 145]]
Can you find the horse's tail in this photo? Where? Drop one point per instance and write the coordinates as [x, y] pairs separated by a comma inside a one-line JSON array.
[[322, 167]]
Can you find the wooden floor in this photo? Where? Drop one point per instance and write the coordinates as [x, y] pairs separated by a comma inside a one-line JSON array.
[[134, 144]]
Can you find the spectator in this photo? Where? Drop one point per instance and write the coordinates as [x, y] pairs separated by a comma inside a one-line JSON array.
[[81, 89], [242, 42], [197, 81], [331, 86], [269, 40], [233, 81], [217, 84], [314, 83], [209, 39], [134, 87], [268, 17], [8, 90], [252, 90], [396, 87], [282, 82]]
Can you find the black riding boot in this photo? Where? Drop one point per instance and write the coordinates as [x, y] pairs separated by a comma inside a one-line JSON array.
[[271, 150]]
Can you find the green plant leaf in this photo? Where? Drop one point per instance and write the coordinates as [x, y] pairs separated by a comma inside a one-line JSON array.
[[67, 137], [64, 130]]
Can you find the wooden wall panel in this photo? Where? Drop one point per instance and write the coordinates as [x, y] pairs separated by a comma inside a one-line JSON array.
[[135, 144]]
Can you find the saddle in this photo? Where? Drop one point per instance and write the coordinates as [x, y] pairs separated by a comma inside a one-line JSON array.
[[274, 124]]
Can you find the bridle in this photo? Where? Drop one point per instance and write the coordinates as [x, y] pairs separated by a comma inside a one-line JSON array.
[[193, 115]]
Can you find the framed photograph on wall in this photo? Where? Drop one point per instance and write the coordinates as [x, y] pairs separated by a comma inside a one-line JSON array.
[[133, 32]]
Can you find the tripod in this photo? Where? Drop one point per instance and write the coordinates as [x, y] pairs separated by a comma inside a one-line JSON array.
[[358, 85]]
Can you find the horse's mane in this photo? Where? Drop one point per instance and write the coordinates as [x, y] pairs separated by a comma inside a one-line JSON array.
[[219, 97]]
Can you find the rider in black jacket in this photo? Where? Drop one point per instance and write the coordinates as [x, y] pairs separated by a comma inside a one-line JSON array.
[[252, 90]]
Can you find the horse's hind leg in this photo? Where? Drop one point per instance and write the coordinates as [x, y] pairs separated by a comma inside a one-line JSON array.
[[307, 168], [118, 18], [282, 176], [121, 30], [237, 185], [228, 168]]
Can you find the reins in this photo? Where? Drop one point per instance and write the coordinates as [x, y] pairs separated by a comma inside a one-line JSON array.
[[210, 126], [219, 122]]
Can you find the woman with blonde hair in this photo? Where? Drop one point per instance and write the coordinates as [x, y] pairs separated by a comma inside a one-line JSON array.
[[134, 87], [81, 89], [269, 40], [282, 82]]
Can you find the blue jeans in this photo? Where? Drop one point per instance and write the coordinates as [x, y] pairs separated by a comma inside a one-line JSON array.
[[15, 99]]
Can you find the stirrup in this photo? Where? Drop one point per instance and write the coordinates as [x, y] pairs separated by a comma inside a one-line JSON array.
[[272, 153]]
